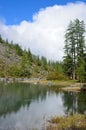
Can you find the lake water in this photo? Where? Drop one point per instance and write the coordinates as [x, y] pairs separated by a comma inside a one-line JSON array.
[[28, 107]]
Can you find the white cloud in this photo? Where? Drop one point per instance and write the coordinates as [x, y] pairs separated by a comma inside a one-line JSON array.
[[45, 35]]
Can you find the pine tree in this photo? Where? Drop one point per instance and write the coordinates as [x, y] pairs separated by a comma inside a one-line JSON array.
[[74, 48]]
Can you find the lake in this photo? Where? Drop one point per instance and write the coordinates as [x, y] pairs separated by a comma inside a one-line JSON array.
[[28, 107]]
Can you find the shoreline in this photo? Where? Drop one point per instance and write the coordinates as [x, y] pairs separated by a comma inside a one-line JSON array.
[[61, 85], [68, 85]]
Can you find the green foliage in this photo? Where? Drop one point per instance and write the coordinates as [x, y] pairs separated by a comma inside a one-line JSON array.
[[37, 61], [55, 76], [44, 62], [81, 70], [58, 66], [25, 61], [29, 55], [25, 64], [13, 70], [18, 50], [16, 71], [74, 50], [67, 66]]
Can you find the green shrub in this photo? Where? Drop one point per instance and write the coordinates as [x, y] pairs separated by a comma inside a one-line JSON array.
[[55, 76]]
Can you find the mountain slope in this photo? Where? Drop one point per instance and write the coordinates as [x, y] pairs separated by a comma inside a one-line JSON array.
[[15, 62]]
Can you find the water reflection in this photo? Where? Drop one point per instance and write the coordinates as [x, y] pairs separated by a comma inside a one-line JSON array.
[[26, 106], [13, 96], [74, 103]]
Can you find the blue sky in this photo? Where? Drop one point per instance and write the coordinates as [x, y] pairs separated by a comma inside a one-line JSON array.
[[39, 24], [14, 11]]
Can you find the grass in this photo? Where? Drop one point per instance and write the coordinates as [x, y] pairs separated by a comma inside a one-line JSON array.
[[75, 122], [63, 83]]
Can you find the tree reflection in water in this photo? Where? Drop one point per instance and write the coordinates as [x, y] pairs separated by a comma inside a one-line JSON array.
[[74, 103], [15, 95]]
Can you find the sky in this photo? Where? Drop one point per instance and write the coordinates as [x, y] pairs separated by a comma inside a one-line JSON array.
[[39, 25]]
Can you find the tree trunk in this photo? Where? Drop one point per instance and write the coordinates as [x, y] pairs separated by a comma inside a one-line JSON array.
[[73, 73]]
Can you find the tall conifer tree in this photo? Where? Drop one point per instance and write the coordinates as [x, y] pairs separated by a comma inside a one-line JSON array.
[[74, 48]]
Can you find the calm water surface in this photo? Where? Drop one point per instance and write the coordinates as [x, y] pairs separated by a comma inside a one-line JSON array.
[[28, 107]]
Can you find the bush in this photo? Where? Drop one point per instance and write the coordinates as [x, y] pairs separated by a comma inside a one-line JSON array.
[[55, 76]]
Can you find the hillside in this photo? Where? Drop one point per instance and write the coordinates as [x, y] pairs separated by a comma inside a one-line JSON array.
[[12, 63], [15, 62]]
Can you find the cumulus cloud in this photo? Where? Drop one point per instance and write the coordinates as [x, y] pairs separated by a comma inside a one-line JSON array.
[[45, 34]]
